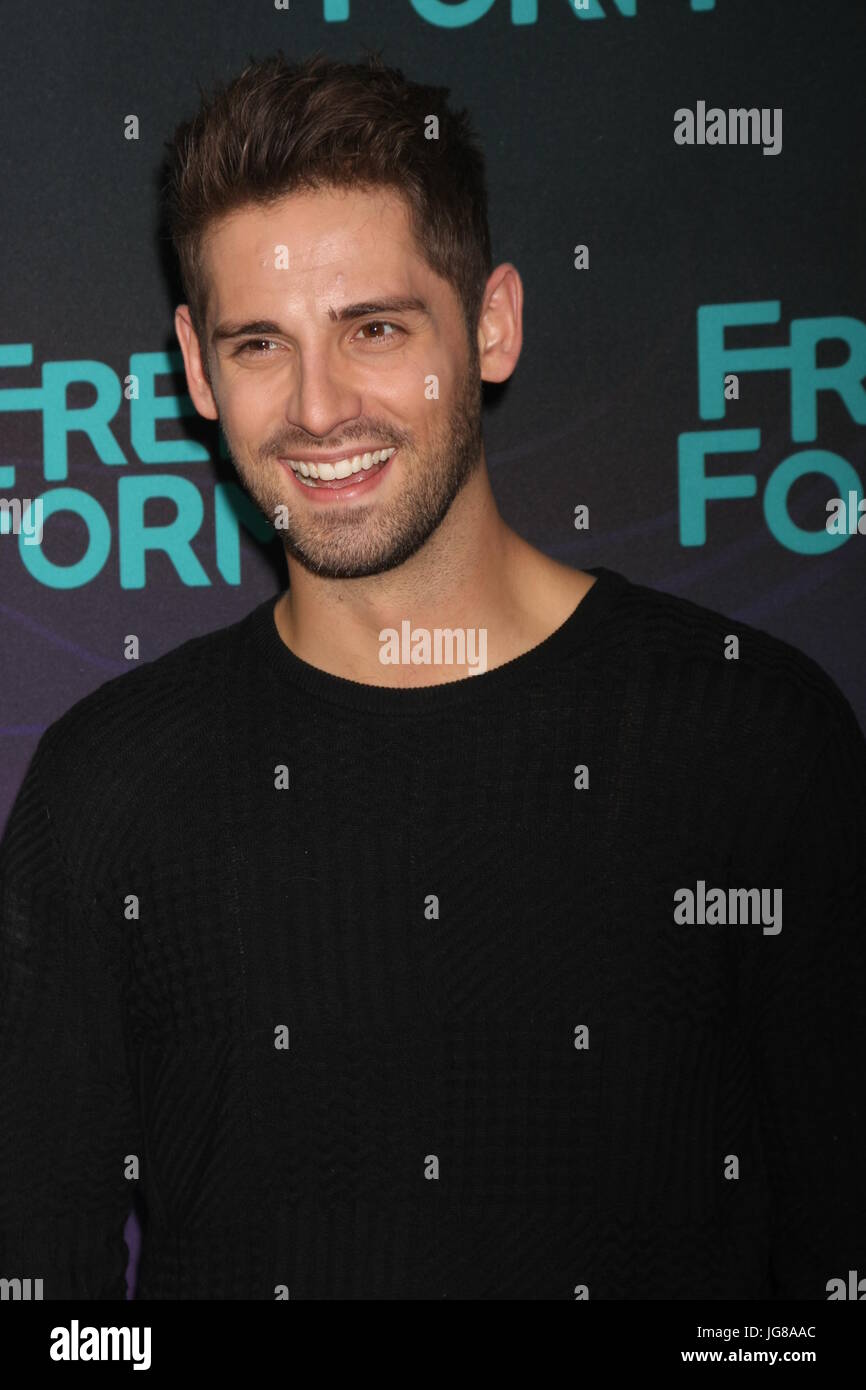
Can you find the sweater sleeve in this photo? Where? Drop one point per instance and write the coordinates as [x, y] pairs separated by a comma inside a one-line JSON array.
[[809, 1011], [68, 1117]]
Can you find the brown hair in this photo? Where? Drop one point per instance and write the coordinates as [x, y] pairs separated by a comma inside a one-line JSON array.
[[280, 128]]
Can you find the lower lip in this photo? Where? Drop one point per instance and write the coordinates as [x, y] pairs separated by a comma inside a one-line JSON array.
[[362, 484]]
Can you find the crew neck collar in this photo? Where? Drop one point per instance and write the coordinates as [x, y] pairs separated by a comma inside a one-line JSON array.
[[466, 690]]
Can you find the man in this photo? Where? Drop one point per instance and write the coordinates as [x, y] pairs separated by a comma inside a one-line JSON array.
[[460, 924]]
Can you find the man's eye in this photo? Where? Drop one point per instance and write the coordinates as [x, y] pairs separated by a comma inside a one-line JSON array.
[[381, 323], [253, 347]]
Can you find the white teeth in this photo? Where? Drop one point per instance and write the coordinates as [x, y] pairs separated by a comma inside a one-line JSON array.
[[329, 472]]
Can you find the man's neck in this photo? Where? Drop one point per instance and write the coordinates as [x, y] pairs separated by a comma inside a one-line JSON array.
[[474, 574]]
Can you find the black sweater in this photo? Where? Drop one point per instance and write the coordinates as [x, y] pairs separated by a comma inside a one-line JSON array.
[[427, 1022]]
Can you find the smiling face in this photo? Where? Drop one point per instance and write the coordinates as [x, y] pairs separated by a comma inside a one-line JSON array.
[[325, 330]]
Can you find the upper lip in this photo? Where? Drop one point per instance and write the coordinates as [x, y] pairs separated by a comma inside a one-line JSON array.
[[352, 451]]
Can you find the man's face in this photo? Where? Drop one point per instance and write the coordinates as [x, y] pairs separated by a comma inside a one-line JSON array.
[[292, 379]]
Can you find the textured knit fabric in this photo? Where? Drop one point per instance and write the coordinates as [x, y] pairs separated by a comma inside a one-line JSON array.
[[421, 1024]]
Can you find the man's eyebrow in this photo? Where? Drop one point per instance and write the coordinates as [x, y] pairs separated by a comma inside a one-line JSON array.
[[267, 327], [408, 305], [256, 327]]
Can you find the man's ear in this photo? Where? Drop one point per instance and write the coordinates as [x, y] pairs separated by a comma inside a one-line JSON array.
[[500, 325], [196, 377]]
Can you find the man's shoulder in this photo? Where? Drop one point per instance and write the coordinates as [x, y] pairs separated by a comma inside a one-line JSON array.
[[153, 710], [726, 658]]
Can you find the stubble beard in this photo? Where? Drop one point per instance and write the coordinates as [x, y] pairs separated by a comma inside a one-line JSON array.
[[353, 541]]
